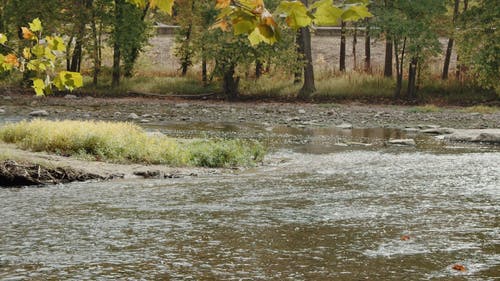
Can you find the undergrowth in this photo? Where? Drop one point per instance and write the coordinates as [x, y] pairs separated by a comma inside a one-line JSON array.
[[127, 143]]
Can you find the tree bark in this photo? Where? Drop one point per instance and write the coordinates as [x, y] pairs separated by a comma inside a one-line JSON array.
[[388, 57], [368, 56], [342, 47], [449, 49]]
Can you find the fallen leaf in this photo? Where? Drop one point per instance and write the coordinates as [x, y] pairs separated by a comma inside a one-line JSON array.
[[459, 267], [405, 237]]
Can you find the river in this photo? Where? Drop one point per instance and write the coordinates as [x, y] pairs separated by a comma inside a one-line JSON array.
[[324, 206]]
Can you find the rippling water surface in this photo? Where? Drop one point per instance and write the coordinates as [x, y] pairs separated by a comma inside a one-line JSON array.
[[305, 215]]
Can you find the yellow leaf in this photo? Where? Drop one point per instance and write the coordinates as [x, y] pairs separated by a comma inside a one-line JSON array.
[[36, 25], [39, 86], [27, 53], [27, 34], [3, 38]]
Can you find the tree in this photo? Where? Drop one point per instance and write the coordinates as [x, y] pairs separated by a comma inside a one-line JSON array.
[[479, 43], [410, 25]]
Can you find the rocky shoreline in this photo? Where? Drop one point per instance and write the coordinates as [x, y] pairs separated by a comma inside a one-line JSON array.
[[158, 110]]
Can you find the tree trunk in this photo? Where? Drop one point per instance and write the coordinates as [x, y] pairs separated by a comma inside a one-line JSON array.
[[411, 92], [300, 50], [259, 66], [186, 59], [388, 57], [76, 58], [342, 47], [449, 49], [95, 49], [231, 83], [116, 46], [399, 67], [368, 56], [204, 76], [354, 43], [461, 67], [308, 87]]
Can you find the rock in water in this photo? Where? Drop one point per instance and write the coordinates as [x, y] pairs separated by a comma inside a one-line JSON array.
[[345, 126], [407, 142], [39, 113], [133, 116]]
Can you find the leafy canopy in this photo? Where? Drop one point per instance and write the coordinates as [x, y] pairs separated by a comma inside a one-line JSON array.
[[251, 18]]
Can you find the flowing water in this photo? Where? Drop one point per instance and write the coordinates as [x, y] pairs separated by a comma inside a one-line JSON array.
[[327, 205]]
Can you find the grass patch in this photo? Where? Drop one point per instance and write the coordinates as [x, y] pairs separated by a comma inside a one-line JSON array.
[[424, 109], [156, 85], [482, 109], [346, 86], [127, 143], [354, 86]]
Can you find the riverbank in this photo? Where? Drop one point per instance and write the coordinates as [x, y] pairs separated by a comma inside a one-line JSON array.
[[14, 107], [20, 168]]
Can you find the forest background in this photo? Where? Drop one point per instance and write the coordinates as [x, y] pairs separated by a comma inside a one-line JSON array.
[[433, 51]]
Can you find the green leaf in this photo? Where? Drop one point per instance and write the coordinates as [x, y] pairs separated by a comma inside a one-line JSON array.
[[263, 33], [55, 43], [3, 38], [355, 13], [297, 15], [38, 51], [326, 13], [68, 80], [36, 25], [163, 5], [39, 86], [243, 27]]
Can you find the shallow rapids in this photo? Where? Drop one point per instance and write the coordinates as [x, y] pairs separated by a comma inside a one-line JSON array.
[[302, 216]]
